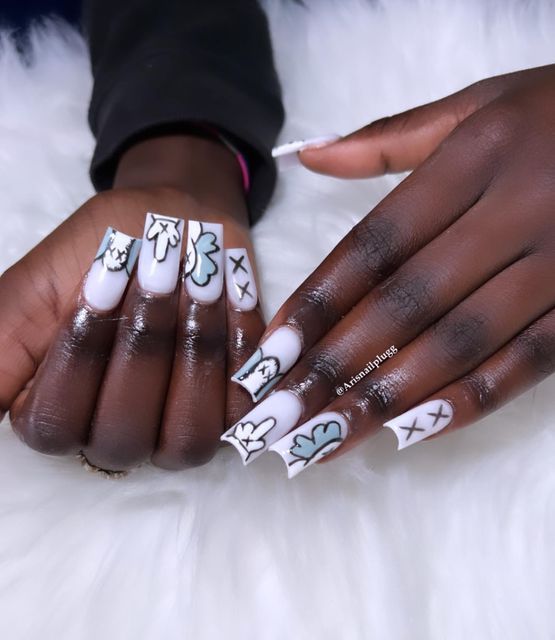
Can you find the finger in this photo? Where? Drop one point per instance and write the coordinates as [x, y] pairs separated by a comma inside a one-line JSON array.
[[415, 213], [400, 142], [131, 401], [461, 341], [245, 325], [524, 362], [54, 415], [194, 411]]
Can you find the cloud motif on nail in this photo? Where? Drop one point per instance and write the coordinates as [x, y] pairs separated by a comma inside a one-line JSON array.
[[200, 266], [324, 438]]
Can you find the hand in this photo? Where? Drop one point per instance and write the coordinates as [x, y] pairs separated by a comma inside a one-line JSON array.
[[440, 304], [88, 376]]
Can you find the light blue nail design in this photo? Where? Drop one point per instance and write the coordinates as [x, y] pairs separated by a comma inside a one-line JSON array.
[[312, 441], [204, 261]]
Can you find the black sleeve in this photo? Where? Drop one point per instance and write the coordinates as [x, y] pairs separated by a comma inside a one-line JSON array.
[[162, 63]]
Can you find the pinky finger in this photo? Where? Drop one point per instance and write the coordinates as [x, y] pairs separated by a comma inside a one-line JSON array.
[[524, 362]]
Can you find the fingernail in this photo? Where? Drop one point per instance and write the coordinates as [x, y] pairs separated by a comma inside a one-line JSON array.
[[420, 422], [108, 277], [239, 278], [287, 155], [273, 358], [265, 424], [158, 268], [204, 261], [312, 441]]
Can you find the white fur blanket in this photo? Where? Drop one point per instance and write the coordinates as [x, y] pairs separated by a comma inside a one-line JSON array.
[[449, 540]]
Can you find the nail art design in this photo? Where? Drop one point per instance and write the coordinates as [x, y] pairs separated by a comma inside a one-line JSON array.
[[311, 442], [203, 261], [109, 274], [287, 156], [264, 424], [160, 253], [420, 422], [239, 278], [275, 356]]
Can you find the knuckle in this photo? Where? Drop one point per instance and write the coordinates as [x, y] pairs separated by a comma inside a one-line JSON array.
[[407, 300], [43, 432], [379, 396], [462, 339], [538, 349], [498, 123], [315, 302], [321, 367], [378, 245], [190, 451], [481, 391]]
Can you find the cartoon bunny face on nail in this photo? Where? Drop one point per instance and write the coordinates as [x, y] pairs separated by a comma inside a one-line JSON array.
[[116, 254]]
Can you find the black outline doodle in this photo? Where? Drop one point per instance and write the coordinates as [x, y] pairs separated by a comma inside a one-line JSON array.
[[244, 290], [166, 221], [336, 440], [437, 416], [410, 430], [238, 263], [206, 254], [110, 249], [249, 439]]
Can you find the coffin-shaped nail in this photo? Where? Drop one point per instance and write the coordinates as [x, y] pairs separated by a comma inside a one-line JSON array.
[[239, 279], [108, 277], [420, 422], [204, 274], [160, 255], [311, 441], [265, 424], [287, 155], [267, 365]]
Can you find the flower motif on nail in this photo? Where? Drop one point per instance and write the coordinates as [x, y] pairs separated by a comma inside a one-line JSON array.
[[259, 373], [199, 264], [250, 436], [118, 251], [165, 233], [324, 438]]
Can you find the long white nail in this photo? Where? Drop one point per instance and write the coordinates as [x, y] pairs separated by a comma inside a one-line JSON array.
[[108, 277], [239, 279], [311, 441], [422, 421], [265, 424], [204, 274], [287, 155], [158, 268], [267, 365]]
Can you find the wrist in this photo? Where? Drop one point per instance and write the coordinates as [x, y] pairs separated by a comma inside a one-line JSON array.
[[202, 167]]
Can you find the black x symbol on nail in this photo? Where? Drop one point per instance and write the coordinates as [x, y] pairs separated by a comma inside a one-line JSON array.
[[238, 263], [410, 430], [244, 290], [164, 226], [437, 416]]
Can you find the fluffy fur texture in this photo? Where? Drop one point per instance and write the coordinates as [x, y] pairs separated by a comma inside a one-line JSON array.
[[447, 540]]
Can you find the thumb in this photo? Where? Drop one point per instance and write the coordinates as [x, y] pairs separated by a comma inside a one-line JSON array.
[[394, 144]]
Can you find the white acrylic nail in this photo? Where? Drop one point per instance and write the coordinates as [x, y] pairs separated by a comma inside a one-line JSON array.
[[108, 277], [420, 422], [160, 255], [287, 155], [312, 441], [273, 358], [204, 274], [265, 424], [239, 279]]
